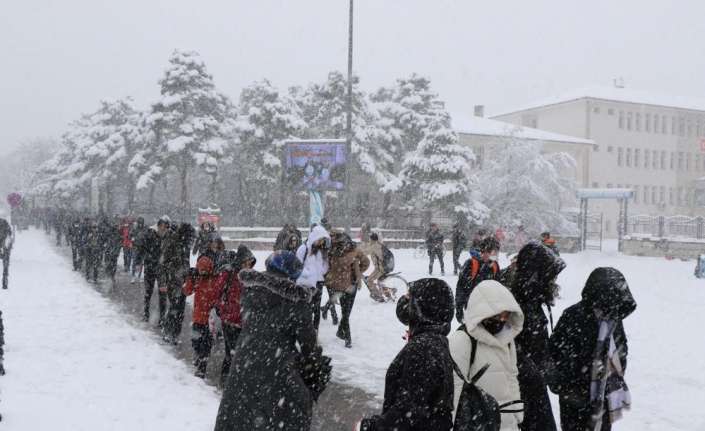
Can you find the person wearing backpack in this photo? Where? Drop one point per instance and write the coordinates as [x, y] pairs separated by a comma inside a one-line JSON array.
[[492, 320], [533, 286], [375, 250], [314, 255], [481, 266], [418, 389], [229, 288], [589, 350]]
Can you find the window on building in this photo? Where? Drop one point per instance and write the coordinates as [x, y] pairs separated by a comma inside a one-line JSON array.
[[608, 225], [690, 128], [697, 162], [646, 195], [656, 123], [620, 156], [680, 196], [647, 123], [596, 110], [637, 122], [619, 186], [654, 195], [681, 126], [699, 128], [687, 161], [680, 160], [637, 157], [610, 111], [673, 160], [595, 185], [610, 148], [647, 159], [671, 198], [662, 194], [674, 125], [664, 125], [663, 160], [621, 119], [629, 120], [637, 189], [629, 157]]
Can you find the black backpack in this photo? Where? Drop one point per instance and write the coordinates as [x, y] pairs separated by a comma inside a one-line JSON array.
[[477, 410], [387, 260]]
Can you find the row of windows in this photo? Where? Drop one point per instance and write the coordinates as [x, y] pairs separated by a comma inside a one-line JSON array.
[[654, 159], [656, 195], [655, 123]]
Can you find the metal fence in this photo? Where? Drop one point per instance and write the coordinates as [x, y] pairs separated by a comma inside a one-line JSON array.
[[667, 226]]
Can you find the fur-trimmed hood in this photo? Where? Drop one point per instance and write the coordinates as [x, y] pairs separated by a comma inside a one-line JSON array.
[[273, 286]]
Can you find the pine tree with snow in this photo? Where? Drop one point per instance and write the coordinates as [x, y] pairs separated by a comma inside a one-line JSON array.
[[437, 176], [191, 122], [522, 186]]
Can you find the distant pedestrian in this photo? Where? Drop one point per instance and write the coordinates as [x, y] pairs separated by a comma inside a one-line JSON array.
[[459, 242], [434, 246], [314, 255]]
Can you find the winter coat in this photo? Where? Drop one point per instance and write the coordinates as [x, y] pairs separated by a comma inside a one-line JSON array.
[[205, 286], [536, 268], [315, 265], [150, 249], [289, 238], [467, 282], [230, 288], [434, 241], [574, 339], [418, 390], [346, 270], [488, 299], [265, 389], [459, 240]]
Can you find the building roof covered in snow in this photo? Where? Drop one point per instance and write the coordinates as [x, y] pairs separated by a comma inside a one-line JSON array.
[[473, 125], [616, 94]]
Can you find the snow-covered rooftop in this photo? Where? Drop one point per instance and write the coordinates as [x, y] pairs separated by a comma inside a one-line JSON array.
[[616, 94], [472, 125]]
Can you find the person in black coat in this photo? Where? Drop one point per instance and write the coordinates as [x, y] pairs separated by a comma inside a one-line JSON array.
[[418, 390], [278, 370], [573, 343], [459, 241], [434, 246], [150, 249], [111, 242], [176, 248], [534, 286]]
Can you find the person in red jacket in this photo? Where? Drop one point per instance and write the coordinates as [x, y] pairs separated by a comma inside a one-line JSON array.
[[228, 307], [127, 244], [202, 282]]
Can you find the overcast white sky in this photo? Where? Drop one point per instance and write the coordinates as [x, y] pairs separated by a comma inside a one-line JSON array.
[[58, 58]]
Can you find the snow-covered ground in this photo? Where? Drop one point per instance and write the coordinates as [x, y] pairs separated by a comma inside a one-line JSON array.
[[75, 363]]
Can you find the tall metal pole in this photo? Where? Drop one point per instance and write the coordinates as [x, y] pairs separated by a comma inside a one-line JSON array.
[[348, 130]]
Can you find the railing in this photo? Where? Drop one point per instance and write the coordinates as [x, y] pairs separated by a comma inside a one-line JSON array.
[[667, 226]]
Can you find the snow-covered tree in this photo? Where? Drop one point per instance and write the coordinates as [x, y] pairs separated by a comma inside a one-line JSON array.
[[437, 176], [521, 185], [21, 168], [191, 123]]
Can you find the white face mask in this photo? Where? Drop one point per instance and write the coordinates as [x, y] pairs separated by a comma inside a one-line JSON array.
[[493, 258]]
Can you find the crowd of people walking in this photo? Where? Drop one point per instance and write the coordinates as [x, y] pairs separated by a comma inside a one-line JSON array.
[[496, 367]]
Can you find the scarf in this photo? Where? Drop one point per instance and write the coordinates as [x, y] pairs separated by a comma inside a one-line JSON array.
[[607, 387]]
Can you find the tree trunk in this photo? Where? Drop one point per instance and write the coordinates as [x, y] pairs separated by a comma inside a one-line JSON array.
[[213, 189], [184, 190], [130, 196], [152, 189], [108, 189]]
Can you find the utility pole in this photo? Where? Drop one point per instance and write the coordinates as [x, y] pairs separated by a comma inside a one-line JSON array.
[[348, 130]]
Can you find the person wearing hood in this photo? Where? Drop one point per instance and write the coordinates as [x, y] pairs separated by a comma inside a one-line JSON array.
[[418, 389], [493, 319], [589, 350], [279, 369], [481, 266], [314, 255], [150, 249], [176, 250], [229, 288], [533, 286]]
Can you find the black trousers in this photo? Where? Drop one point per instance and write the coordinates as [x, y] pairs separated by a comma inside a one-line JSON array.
[[177, 306], [456, 260], [230, 336], [92, 264], [127, 258], [76, 257], [150, 279], [347, 300], [576, 417], [432, 255], [202, 342], [316, 305], [2, 338], [5, 267], [111, 261]]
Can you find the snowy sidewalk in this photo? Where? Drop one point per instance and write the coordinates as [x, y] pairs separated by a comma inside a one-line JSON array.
[[74, 363]]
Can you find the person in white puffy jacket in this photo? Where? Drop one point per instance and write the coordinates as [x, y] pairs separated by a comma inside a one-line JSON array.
[[314, 255], [493, 318]]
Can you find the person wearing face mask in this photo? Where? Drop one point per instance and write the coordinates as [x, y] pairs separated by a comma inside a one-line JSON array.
[[493, 319], [418, 390], [481, 266], [589, 350]]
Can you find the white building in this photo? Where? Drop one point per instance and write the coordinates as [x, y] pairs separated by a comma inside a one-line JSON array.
[[654, 145]]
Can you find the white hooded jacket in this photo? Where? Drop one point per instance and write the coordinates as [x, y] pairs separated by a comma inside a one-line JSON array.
[[488, 299], [315, 265]]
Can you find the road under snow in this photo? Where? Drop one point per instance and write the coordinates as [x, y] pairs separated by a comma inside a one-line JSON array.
[[76, 361]]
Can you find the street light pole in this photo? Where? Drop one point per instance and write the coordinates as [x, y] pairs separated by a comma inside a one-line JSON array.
[[348, 130]]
